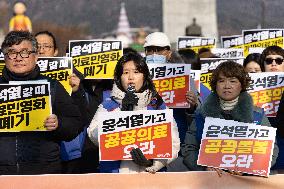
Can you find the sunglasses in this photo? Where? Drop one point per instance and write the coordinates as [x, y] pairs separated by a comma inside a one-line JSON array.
[[278, 61]]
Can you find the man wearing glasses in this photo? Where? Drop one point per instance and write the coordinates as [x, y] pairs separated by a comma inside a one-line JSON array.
[[158, 48], [47, 46], [35, 152]]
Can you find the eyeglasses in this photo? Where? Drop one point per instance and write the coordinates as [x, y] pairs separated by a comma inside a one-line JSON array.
[[45, 47], [153, 49], [278, 61], [23, 54]]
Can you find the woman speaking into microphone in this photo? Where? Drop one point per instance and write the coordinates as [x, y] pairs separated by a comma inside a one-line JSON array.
[[133, 89]]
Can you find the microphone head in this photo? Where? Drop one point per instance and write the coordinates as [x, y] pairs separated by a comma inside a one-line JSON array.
[[131, 88]]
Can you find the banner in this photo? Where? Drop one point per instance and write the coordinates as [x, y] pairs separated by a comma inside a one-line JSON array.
[[24, 107], [234, 41], [166, 180], [172, 81], [196, 43], [266, 89], [120, 132], [57, 68], [262, 38], [256, 50], [95, 59], [232, 145], [228, 52]]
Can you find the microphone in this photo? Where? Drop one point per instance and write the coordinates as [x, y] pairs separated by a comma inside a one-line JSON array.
[[131, 90]]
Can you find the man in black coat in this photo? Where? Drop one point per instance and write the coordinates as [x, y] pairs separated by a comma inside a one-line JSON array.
[[35, 152]]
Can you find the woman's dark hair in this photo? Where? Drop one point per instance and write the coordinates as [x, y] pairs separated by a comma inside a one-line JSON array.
[[142, 67], [230, 69], [129, 50], [50, 35], [190, 57], [271, 50], [206, 53], [175, 58], [253, 57]]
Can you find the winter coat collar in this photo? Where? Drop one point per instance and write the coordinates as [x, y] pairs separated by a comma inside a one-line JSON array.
[[144, 98], [9, 76], [242, 112]]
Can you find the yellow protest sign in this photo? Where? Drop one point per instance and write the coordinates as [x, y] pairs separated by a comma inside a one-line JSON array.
[[95, 59], [262, 38], [24, 107], [2, 65], [58, 68]]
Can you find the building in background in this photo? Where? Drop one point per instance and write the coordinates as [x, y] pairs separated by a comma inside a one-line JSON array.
[[98, 19], [123, 29], [177, 15]]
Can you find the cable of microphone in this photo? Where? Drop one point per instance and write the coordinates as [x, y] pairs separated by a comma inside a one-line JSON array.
[[130, 89]]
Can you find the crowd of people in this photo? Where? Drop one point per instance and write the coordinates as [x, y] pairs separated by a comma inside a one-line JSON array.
[[71, 144]]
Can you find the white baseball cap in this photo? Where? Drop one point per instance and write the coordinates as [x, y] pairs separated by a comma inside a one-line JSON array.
[[158, 39]]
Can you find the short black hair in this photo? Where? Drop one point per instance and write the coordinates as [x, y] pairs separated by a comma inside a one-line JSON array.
[[230, 69], [253, 57], [129, 50], [16, 37], [189, 56], [142, 67], [271, 50], [48, 34]]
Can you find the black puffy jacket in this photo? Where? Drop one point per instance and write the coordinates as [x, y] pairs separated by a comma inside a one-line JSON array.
[[39, 152]]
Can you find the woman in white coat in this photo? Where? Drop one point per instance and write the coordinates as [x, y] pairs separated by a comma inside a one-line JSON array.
[[132, 71]]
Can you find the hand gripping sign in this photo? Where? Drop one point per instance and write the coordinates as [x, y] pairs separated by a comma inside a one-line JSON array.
[[58, 68], [95, 59], [24, 106], [232, 145], [120, 132], [172, 81]]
